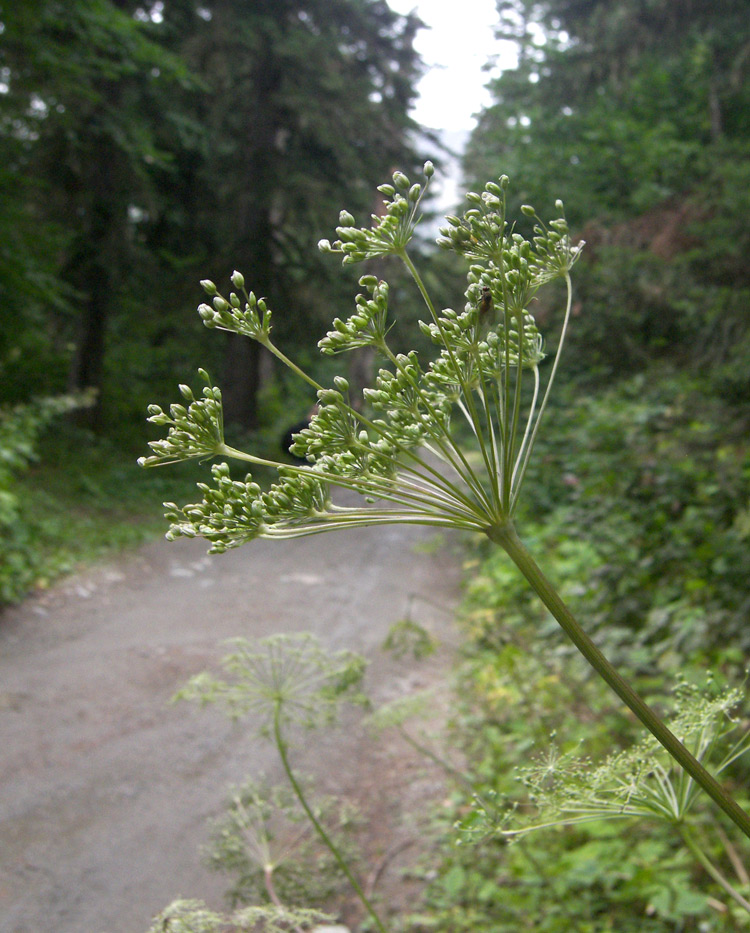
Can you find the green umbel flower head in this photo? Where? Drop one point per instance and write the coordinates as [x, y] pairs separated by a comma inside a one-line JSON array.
[[399, 452]]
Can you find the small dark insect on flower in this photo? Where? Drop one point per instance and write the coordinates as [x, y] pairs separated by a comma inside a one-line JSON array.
[[485, 303]]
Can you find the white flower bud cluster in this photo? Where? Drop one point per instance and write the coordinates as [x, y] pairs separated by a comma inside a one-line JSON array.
[[195, 431], [390, 233], [367, 327], [251, 320]]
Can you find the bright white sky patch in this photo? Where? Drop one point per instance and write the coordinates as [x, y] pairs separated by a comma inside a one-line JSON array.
[[457, 44]]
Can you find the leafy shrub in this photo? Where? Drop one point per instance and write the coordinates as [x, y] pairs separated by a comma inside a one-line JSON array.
[[655, 474], [20, 429]]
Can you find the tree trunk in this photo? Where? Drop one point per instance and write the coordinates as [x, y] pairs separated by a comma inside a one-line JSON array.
[[252, 235], [92, 272]]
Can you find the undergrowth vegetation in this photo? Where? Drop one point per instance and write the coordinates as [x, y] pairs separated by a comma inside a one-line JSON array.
[[641, 497], [70, 500], [640, 503]]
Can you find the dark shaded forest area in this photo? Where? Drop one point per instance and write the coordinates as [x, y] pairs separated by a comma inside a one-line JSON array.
[[144, 147]]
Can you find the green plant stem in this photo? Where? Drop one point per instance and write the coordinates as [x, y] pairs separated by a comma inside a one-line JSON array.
[[510, 440], [439, 438], [733, 856], [712, 870], [545, 398], [325, 838], [271, 891], [465, 388], [272, 348], [506, 536]]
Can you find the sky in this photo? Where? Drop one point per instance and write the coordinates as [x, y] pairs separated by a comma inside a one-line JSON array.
[[455, 49]]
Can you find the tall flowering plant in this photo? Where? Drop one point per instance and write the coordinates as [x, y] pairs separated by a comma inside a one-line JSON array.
[[401, 453]]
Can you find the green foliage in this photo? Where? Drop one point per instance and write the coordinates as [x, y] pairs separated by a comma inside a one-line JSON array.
[[20, 430], [80, 499], [656, 471], [637, 116], [605, 881], [178, 135], [616, 107], [534, 728], [565, 788]]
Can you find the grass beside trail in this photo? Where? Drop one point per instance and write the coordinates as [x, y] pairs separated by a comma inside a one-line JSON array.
[[85, 498]]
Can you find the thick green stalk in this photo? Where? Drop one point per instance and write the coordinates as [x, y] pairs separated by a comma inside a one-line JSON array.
[[325, 838], [508, 539]]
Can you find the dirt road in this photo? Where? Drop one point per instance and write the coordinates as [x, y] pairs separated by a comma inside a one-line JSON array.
[[106, 788]]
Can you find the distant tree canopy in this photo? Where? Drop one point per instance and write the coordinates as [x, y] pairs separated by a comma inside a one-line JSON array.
[[616, 105], [144, 146], [634, 110]]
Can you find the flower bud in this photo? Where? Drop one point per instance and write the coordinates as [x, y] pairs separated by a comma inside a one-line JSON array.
[[208, 287], [527, 210], [429, 169], [238, 279], [221, 304], [325, 246], [346, 219], [400, 181]]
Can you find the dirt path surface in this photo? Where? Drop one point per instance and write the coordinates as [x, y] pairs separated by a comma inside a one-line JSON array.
[[106, 788]]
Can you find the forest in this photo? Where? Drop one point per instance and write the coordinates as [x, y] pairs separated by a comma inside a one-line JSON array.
[[147, 147]]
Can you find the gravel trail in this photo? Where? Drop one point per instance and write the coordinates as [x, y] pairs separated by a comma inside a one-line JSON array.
[[105, 788]]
